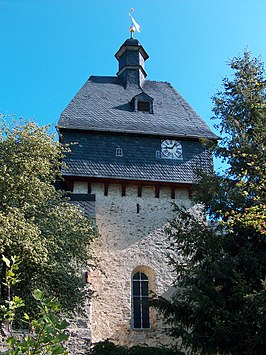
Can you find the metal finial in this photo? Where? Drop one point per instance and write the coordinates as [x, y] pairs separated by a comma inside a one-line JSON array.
[[132, 30], [134, 25]]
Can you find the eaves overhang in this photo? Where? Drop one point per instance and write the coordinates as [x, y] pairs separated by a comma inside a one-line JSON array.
[[213, 137], [131, 181], [139, 48], [132, 67]]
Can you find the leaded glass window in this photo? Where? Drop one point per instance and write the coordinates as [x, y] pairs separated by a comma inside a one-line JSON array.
[[140, 300]]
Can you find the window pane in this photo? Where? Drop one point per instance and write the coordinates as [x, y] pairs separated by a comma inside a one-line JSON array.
[[143, 106], [145, 304], [145, 312], [144, 288], [137, 312], [136, 288], [146, 322], [137, 322], [144, 276], [136, 276]]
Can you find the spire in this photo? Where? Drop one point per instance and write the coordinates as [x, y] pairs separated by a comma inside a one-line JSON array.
[[131, 57]]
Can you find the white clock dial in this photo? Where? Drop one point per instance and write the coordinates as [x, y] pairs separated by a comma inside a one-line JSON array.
[[171, 149]]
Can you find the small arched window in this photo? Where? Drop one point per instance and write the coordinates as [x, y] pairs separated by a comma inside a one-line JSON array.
[[119, 152], [158, 154], [140, 301]]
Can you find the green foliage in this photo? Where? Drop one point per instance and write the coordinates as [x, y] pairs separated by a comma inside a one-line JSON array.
[[47, 330], [108, 348], [241, 110], [12, 303], [212, 309], [37, 223], [219, 303]]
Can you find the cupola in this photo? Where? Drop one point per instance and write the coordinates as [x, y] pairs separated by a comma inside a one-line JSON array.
[[131, 57]]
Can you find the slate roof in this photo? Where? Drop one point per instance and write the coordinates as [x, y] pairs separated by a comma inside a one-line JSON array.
[[106, 114], [94, 156], [103, 104]]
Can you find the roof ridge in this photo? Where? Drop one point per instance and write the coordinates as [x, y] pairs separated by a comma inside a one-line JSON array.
[[157, 81], [103, 76]]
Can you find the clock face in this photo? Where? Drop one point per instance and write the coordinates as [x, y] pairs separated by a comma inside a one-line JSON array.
[[171, 149]]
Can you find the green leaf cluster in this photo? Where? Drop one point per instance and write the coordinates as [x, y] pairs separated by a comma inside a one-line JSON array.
[[47, 331], [219, 303], [37, 222], [9, 307]]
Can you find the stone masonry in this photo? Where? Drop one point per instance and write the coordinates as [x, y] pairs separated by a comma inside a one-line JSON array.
[[131, 239]]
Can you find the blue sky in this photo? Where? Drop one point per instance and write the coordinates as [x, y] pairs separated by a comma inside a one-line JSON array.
[[48, 48]]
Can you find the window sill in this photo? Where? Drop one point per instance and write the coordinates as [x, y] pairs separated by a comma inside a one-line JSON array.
[[142, 329]]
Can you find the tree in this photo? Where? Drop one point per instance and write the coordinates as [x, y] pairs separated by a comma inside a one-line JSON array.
[[37, 223], [241, 111], [219, 300]]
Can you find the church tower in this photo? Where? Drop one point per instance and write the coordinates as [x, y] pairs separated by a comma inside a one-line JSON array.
[[137, 148]]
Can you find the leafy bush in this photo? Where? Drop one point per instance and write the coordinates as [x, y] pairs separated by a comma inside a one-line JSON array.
[[108, 348], [46, 331]]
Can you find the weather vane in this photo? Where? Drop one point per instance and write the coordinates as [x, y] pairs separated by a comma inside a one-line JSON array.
[[134, 25]]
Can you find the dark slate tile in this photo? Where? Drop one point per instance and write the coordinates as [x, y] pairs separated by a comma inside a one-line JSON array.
[[102, 104]]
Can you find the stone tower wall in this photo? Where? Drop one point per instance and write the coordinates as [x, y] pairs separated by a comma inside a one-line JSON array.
[[131, 238]]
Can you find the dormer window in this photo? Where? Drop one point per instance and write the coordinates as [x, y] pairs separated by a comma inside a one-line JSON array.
[[142, 103], [144, 106], [119, 152]]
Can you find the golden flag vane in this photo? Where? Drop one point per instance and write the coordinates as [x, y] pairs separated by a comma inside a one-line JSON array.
[[134, 25]]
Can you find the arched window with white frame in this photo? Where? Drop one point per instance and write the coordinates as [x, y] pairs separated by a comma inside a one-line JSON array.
[[140, 301], [119, 152]]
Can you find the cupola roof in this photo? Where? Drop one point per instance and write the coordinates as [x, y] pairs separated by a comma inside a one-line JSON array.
[[131, 42], [131, 57]]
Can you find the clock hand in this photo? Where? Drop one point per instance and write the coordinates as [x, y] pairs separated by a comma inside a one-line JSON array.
[[172, 146]]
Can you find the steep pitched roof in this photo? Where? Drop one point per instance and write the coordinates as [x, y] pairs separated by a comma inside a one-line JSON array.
[[104, 104]]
